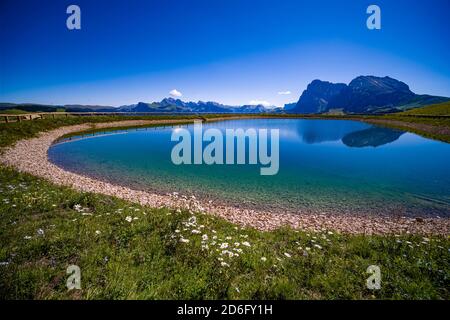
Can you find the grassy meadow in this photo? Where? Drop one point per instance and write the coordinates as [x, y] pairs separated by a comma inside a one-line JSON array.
[[126, 251]]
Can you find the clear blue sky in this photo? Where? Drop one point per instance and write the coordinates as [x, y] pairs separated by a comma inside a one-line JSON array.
[[230, 51]]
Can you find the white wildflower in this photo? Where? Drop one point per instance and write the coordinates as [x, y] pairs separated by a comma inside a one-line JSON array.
[[224, 245]]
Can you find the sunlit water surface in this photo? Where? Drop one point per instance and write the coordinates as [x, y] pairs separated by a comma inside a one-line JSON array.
[[326, 166]]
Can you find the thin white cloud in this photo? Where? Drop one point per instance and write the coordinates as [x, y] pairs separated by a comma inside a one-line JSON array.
[[284, 93], [175, 93], [262, 102]]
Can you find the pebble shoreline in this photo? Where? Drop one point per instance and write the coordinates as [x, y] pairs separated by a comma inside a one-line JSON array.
[[31, 156]]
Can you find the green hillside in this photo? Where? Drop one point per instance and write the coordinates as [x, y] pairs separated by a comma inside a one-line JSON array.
[[13, 111], [440, 109]]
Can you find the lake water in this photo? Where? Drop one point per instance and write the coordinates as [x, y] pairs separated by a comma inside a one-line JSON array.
[[326, 166]]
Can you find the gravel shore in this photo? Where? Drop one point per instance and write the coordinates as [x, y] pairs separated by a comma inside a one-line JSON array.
[[31, 156]]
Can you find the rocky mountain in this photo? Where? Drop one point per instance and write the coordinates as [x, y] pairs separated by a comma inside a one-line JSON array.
[[177, 105], [364, 94], [316, 97]]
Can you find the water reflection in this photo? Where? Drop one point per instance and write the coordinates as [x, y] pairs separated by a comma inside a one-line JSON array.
[[352, 134], [372, 137]]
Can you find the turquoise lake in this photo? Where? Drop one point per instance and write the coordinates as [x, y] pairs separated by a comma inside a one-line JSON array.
[[326, 166]]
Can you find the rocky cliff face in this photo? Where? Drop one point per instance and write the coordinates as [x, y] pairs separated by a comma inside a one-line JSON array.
[[364, 94]]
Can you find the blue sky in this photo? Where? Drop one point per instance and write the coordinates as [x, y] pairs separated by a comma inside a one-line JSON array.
[[230, 51]]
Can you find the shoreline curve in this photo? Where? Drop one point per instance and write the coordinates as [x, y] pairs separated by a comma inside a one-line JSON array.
[[30, 156]]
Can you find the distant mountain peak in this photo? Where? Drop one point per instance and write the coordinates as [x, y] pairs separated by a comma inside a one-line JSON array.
[[177, 105], [364, 94]]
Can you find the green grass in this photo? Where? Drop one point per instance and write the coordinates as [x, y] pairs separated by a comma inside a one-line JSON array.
[[145, 259], [13, 111], [440, 109], [45, 228]]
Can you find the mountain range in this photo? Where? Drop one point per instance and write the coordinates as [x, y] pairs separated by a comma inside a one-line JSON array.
[[167, 105], [363, 95], [177, 105]]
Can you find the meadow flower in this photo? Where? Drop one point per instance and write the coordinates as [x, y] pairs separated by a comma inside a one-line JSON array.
[[177, 231], [204, 237], [264, 259], [237, 244], [224, 245], [318, 246], [224, 264], [245, 243], [97, 232], [195, 231], [192, 220], [129, 218], [40, 232], [287, 254], [184, 240], [27, 237]]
